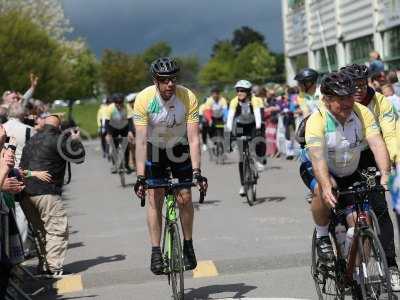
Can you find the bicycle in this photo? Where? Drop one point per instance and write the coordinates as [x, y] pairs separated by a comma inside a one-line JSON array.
[[250, 173], [366, 257], [217, 152], [171, 242], [118, 156]]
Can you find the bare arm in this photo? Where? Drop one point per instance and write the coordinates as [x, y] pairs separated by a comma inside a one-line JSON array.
[[320, 167], [194, 144], [321, 172], [141, 148], [378, 148]]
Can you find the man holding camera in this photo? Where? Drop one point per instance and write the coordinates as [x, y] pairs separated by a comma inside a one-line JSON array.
[[50, 150]]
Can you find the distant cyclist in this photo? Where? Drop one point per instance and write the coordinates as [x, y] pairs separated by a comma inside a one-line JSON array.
[[167, 136], [309, 96], [119, 124], [101, 124], [244, 119], [215, 110]]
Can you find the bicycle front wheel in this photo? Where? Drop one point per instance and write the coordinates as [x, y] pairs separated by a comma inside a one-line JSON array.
[[176, 264], [374, 271], [325, 275], [248, 181]]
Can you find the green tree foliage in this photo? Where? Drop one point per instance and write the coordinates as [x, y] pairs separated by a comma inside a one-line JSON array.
[[190, 67], [123, 73], [245, 36], [255, 63], [220, 68], [25, 48], [82, 74], [155, 51]]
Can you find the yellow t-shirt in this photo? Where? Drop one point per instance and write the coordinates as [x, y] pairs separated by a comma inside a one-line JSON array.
[[166, 120], [342, 143], [101, 115], [256, 102], [217, 108]]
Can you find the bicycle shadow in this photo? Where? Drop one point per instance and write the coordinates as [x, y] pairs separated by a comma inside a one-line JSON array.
[[269, 199], [197, 205], [238, 290], [83, 265]]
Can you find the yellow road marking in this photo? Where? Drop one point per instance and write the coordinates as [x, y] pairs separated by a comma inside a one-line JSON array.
[[69, 284], [205, 268]]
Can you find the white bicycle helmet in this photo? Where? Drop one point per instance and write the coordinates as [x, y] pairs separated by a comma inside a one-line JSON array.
[[131, 97], [244, 84]]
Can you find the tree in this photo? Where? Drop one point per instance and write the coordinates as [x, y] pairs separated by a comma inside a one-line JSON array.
[[190, 67], [155, 51], [47, 14], [245, 36], [255, 63], [220, 68], [123, 73], [25, 48], [82, 74]]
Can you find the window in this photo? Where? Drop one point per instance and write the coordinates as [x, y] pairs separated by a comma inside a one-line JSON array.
[[323, 62], [359, 49], [391, 40], [299, 62]]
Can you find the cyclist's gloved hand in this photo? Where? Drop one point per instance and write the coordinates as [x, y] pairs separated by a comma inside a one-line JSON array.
[[139, 186], [200, 180]]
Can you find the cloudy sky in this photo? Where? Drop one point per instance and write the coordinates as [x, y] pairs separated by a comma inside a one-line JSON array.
[[190, 26]]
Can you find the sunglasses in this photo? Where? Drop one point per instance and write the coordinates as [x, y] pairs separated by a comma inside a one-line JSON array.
[[241, 90], [166, 80]]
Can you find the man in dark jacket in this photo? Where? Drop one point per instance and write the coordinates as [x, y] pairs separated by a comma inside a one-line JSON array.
[[50, 150]]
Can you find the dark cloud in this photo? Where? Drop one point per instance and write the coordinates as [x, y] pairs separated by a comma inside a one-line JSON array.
[[190, 26]]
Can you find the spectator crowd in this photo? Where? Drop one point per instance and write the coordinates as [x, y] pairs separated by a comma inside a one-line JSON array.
[[33, 161]]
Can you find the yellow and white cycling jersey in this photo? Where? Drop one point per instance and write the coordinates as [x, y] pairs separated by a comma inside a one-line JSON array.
[[118, 118], [166, 120], [387, 119], [342, 143], [217, 107]]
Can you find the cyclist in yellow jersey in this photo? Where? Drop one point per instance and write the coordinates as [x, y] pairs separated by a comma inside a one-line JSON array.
[[309, 96], [244, 119], [214, 111], [166, 120], [387, 119], [101, 124], [119, 123], [335, 136]]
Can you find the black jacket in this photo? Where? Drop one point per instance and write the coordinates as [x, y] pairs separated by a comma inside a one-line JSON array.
[[49, 150]]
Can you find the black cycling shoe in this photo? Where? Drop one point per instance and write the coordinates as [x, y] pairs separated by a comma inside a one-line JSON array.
[[189, 258], [324, 249], [157, 263]]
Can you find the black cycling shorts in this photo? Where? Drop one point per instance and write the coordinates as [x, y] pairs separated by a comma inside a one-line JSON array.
[[176, 160]]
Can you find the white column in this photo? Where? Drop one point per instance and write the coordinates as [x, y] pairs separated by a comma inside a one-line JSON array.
[[312, 63], [290, 72], [340, 47], [378, 40]]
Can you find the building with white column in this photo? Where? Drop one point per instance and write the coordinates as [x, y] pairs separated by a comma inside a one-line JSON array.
[[328, 34]]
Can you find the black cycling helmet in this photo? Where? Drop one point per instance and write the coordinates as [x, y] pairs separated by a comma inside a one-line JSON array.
[[164, 67], [356, 71], [307, 74], [337, 84], [117, 97]]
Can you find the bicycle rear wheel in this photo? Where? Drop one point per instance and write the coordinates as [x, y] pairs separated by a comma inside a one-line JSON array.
[[374, 271], [325, 276], [176, 264]]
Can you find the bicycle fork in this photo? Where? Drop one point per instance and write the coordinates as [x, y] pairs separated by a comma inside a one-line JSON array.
[[170, 220]]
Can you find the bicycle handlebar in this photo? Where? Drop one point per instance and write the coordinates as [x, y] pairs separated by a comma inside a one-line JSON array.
[[356, 190], [170, 184]]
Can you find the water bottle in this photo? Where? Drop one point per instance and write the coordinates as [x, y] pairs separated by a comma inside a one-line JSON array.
[[340, 233], [349, 241]]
